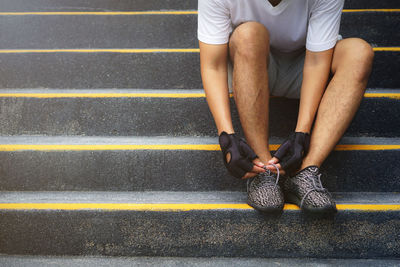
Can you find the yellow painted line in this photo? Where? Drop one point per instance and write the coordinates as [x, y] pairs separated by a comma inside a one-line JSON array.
[[174, 207], [368, 207], [101, 13], [101, 50], [366, 147], [133, 50], [393, 49], [383, 95], [203, 147], [371, 10], [135, 13], [17, 147], [120, 206], [104, 95], [148, 95]]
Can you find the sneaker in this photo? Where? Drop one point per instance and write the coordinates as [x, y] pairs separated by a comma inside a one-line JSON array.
[[305, 190], [264, 192]]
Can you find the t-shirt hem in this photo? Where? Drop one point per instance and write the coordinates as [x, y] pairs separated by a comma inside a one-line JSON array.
[[212, 40], [321, 46]]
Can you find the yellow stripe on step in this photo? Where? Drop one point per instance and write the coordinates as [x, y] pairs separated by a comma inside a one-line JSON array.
[[378, 95], [104, 95], [135, 13], [366, 147], [19, 147], [189, 147], [173, 207], [371, 10], [100, 13], [133, 50], [392, 49], [148, 95], [102, 50]]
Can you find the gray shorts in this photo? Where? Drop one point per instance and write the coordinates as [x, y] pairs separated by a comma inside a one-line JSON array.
[[285, 73]]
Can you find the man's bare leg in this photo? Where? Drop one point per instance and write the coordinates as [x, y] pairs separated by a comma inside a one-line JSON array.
[[249, 50], [351, 66]]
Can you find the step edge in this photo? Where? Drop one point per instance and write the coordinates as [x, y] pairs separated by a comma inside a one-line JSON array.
[[144, 93]]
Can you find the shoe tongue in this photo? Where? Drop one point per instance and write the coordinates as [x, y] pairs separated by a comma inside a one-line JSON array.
[[312, 169]]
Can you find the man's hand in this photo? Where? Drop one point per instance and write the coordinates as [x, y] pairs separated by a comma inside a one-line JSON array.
[[239, 158], [291, 153]]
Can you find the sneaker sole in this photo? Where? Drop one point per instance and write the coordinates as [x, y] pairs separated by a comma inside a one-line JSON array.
[[293, 199], [263, 209]]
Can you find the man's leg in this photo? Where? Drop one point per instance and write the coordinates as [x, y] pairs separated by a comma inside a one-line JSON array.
[[351, 66], [249, 50]]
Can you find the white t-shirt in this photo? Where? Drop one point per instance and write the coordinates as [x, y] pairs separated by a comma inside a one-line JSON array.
[[292, 24]]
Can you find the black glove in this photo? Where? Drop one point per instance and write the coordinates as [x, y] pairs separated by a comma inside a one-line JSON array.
[[292, 151], [241, 154]]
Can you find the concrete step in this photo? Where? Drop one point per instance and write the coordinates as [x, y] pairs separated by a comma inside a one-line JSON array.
[[193, 225], [85, 261], [162, 113], [148, 31], [98, 5], [108, 31], [377, 28], [88, 69], [111, 5], [371, 4], [34, 163], [100, 70]]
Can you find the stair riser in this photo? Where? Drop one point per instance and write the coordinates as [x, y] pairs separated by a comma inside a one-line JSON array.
[[152, 70], [162, 31], [200, 233], [169, 170], [166, 116], [111, 5]]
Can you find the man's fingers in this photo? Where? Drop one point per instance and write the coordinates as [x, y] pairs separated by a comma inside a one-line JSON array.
[[249, 175], [257, 169], [273, 169], [274, 160], [258, 163]]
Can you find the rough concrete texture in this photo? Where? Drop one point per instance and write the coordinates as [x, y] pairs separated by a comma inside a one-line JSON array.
[[39, 261], [165, 116], [98, 5], [377, 28], [153, 70], [227, 233], [222, 233], [176, 170], [161, 31], [188, 197], [100, 70], [144, 31], [111, 5]]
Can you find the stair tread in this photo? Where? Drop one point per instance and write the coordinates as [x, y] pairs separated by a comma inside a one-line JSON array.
[[28, 261], [162, 140], [166, 197], [111, 5], [135, 70], [137, 92]]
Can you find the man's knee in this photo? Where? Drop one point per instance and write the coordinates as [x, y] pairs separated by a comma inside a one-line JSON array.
[[357, 55], [249, 40]]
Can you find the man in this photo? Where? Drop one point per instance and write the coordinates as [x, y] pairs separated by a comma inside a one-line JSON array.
[[287, 48]]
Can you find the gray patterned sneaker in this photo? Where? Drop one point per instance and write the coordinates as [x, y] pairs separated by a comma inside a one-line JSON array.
[[264, 192], [305, 190]]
